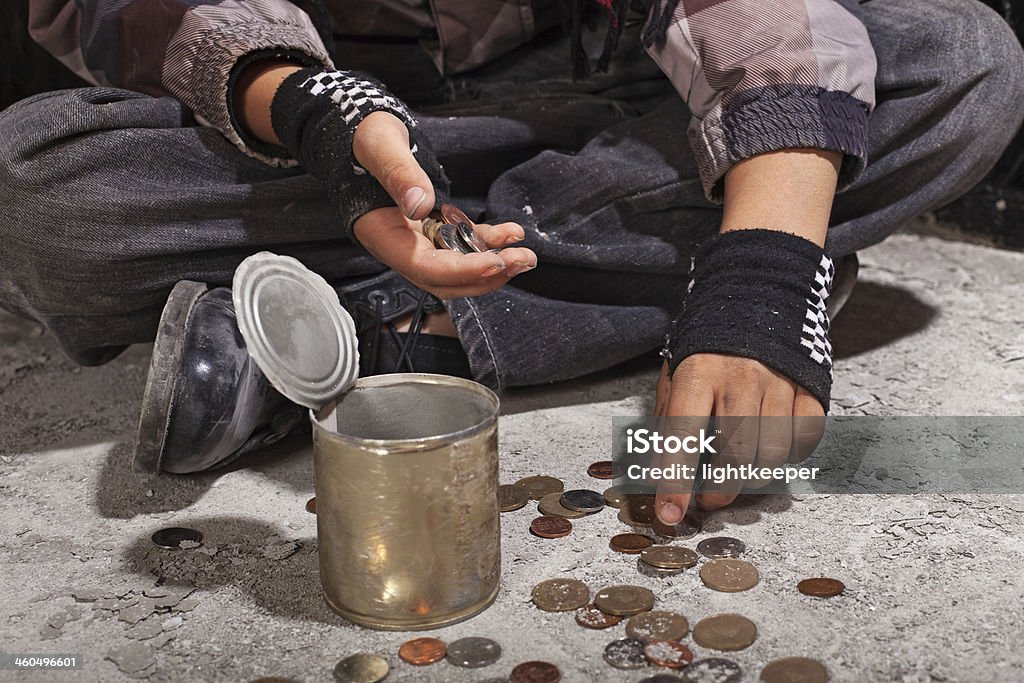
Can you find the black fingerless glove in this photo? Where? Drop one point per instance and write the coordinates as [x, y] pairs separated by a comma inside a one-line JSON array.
[[759, 294], [315, 113]]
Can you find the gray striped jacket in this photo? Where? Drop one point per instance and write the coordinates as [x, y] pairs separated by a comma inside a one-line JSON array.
[[757, 75]]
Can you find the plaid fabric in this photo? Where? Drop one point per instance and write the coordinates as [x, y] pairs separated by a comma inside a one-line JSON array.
[[758, 75]]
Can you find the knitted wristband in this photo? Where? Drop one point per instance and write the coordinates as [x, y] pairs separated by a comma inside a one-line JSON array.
[[315, 113], [759, 294]]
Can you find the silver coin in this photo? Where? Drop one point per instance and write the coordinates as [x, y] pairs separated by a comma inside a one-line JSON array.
[[656, 572], [361, 668], [627, 653], [688, 527], [469, 237], [713, 670], [172, 537], [473, 652], [582, 500], [721, 547]]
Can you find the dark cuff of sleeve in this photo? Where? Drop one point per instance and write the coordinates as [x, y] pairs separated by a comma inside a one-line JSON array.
[[780, 117]]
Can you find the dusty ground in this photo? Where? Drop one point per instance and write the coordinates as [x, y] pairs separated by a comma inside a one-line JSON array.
[[935, 585]]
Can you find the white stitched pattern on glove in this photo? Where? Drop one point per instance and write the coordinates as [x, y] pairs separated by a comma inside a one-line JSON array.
[[356, 96], [815, 327]]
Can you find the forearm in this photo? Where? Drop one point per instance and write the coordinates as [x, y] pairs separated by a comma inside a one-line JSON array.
[[254, 91], [789, 190]]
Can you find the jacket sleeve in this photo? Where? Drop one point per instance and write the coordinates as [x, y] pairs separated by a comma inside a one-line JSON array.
[[765, 75], [187, 49]]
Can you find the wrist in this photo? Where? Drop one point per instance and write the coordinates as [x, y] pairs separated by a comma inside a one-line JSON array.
[[253, 93]]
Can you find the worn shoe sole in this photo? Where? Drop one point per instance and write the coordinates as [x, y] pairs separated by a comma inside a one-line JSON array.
[[151, 437]]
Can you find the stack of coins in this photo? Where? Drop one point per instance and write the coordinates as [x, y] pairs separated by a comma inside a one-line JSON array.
[[665, 560]]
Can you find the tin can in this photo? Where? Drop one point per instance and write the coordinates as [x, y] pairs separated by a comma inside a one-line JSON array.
[[407, 500]]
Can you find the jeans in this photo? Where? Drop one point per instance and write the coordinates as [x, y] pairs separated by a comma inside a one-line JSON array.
[[109, 197]]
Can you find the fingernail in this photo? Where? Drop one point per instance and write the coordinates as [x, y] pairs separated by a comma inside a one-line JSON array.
[[518, 268], [412, 199], [514, 238], [670, 513], [494, 270]]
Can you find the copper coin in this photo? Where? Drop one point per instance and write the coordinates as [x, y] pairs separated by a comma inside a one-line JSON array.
[[589, 616], [630, 544], [541, 486], [582, 500], [729, 576], [688, 527], [605, 469], [624, 600], [637, 511], [615, 496], [668, 653], [794, 670], [423, 651], [657, 625], [721, 547], [821, 587], [549, 526], [551, 505], [627, 653], [713, 670], [560, 595], [656, 572], [512, 497], [473, 652], [726, 632], [361, 668], [669, 557], [535, 672]]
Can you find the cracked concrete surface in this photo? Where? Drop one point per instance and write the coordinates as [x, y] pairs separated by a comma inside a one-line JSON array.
[[935, 586]]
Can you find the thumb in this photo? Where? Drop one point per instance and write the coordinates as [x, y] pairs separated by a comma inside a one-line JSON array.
[[381, 146]]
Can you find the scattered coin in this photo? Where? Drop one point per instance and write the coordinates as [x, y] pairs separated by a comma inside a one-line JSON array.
[[311, 505], [637, 511], [657, 625], [662, 678], [794, 670], [713, 670], [729, 576], [721, 547], [821, 587], [656, 572], [361, 668], [688, 527], [630, 544], [549, 526], [627, 653], [541, 486], [669, 557], [473, 652], [589, 616], [422, 651], [582, 500], [560, 595], [512, 497], [670, 654], [726, 632], [551, 505], [172, 537], [535, 672], [617, 495], [606, 469], [624, 600]]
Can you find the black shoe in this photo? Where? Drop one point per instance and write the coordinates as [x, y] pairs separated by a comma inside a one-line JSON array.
[[207, 402]]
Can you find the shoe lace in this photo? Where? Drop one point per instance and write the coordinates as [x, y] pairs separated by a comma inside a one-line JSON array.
[[406, 345]]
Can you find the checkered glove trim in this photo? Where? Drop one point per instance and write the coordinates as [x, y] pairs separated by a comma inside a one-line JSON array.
[[759, 294]]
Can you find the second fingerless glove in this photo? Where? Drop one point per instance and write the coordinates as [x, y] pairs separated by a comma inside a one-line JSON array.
[[759, 294], [315, 113]]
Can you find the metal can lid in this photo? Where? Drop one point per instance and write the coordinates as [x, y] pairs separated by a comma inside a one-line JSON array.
[[295, 329]]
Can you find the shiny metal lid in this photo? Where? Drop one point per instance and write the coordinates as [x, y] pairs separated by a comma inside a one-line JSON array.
[[295, 329]]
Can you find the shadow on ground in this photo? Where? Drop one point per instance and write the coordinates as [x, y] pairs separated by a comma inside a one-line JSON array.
[[877, 315]]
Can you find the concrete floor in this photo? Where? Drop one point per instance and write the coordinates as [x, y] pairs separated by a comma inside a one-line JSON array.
[[935, 583]]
